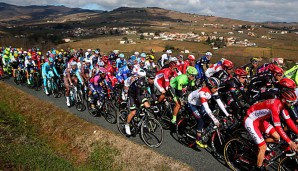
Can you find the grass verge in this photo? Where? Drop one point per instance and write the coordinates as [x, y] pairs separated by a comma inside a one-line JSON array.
[[36, 135]]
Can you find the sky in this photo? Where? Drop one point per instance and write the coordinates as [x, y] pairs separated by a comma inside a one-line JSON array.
[[249, 10]]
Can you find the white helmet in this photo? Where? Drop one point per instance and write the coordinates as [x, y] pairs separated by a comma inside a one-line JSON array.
[[173, 59], [208, 54], [141, 73], [168, 51], [101, 63], [136, 53]]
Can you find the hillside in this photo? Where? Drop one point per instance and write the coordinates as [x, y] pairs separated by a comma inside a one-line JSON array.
[[30, 14]]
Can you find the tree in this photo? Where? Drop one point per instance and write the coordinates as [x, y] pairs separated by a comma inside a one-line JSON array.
[[142, 37]]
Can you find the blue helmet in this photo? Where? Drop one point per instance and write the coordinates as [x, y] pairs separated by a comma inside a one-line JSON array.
[[121, 55], [51, 60]]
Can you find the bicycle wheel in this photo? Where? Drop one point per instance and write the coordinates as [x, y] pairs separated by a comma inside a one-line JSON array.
[[121, 121], [92, 112], [110, 112], [37, 82], [152, 132], [79, 101], [186, 132], [288, 164], [164, 117], [55, 90], [239, 156], [218, 142]]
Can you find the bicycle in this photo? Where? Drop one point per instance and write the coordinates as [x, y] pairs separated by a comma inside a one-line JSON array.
[[241, 154], [52, 86], [76, 97], [144, 124], [20, 77]]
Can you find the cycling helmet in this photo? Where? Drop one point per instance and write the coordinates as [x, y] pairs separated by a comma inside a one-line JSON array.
[[101, 63], [51, 60], [150, 75], [172, 64], [74, 63], [191, 57], [241, 72], [278, 70], [174, 59], [208, 54], [275, 61], [227, 64], [288, 94], [212, 82], [150, 57], [105, 57], [136, 53], [141, 73], [121, 55], [29, 57], [143, 55], [191, 71], [287, 83], [254, 60], [168, 51]]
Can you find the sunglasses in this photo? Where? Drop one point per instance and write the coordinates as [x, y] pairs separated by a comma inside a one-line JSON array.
[[229, 68], [290, 102]]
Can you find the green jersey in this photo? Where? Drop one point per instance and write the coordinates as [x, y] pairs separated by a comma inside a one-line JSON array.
[[181, 81], [292, 74]]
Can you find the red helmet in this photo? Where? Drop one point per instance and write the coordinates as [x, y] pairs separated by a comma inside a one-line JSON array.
[[277, 70], [240, 72], [191, 57], [287, 83], [172, 64], [227, 64], [288, 94], [105, 58]]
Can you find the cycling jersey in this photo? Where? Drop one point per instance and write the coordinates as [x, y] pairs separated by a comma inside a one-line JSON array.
[[249, 68], [185, 65], [292, 74], [162, 79], [150, 65], [137, 92], [199, 66], [222, 75], [213, 69], [123, 74], [163, 59], [120, 63], [260, 113]]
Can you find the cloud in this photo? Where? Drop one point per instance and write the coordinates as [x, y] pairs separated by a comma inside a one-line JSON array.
[[250, 10]]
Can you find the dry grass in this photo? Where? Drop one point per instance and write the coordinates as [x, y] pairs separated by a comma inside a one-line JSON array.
[[72, 136]]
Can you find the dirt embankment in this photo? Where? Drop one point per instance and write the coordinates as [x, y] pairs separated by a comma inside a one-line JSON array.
[[76, 139]]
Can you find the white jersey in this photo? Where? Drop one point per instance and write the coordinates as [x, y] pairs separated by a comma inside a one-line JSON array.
[[27, 63], [212, 69], [149, 65]]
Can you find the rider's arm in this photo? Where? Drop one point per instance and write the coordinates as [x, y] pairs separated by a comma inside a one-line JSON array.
[[289, 121], [167, 74], [276, 108], [68, 75], [220, 104], [207, 109]]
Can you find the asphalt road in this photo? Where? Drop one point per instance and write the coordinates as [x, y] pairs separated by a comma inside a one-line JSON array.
[[198, 159]]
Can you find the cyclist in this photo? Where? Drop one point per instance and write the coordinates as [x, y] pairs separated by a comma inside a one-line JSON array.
[[142, 58], [120, 62], [98, 85], [164, 58], [46, 74], [124, 72], [162, 79], [176, 86], [15, 63], [198, 104], [229, 90], [189, 62], [250, 67], [200, 65], [257, 122], [149, 64], [214, 68], [260, 86], [265, 67], [29, 66], [224, 74], [136, 94], [293, 73], [71, 78]]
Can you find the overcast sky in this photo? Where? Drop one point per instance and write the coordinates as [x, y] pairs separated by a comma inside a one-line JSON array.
[[249, 10]]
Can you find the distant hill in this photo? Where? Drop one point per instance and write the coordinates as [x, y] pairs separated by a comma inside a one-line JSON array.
[[22, 14]]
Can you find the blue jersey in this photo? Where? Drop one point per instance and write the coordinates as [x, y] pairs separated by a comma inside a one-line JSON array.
[[120, 63], [123, 74], [46, 67]]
